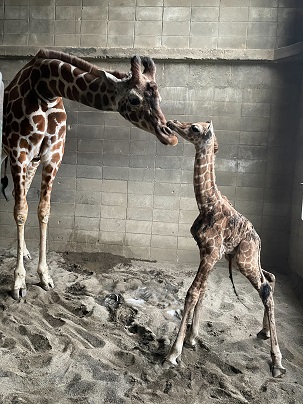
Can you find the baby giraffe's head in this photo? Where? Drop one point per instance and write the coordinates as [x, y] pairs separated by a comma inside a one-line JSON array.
[[201, 134]]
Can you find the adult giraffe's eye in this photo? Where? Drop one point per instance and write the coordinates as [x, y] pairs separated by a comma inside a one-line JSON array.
[[195, 128], [134, 100]]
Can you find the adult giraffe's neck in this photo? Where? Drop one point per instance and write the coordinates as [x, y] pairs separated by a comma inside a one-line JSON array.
[[205, 187], [56, 78]]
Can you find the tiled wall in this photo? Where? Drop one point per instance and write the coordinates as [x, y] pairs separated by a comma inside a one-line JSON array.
[[223, 24], [119, 189], [296, 229]]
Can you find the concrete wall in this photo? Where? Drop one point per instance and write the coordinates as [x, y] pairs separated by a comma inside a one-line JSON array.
[[296, 230], [234, 24], [120, 190]]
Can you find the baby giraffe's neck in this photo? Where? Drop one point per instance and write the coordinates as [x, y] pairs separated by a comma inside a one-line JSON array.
[[205, 187]]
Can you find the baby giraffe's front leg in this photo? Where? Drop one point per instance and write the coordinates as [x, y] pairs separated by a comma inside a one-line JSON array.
[[193, 302]]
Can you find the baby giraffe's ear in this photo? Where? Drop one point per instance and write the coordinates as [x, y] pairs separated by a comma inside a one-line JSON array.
[[211, 128]]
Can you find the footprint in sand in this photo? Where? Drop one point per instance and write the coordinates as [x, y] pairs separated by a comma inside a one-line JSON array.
[[39, 342]]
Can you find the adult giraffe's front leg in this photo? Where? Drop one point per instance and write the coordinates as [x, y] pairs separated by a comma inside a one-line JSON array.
[[20, 214]]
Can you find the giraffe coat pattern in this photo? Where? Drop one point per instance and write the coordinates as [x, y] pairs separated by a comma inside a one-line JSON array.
[[34, 127], [221, 230]]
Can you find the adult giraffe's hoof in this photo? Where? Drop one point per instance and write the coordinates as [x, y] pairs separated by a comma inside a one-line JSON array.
[[27, 257], [18, 294], [47, 286], [278, 371], [46, 282]]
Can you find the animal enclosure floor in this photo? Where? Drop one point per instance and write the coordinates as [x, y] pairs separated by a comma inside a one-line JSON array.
[[101, 334]]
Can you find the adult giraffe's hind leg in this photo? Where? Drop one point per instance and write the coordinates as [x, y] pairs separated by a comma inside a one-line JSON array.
[[30, 173], [48, 174]]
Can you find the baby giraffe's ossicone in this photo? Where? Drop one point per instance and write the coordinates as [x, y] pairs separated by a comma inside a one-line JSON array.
[[220, 229]]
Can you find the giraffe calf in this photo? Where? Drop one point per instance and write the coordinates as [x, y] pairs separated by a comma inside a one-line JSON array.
[[221, 230]]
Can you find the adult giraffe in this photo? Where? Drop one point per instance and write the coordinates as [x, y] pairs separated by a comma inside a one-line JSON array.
[[34, 127]]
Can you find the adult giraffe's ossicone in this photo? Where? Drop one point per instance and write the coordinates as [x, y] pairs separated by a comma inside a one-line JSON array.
[[34, 127]]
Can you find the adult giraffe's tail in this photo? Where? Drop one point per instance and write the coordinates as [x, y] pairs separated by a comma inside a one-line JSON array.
[[4, 179]]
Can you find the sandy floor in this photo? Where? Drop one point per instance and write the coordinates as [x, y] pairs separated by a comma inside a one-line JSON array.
[[101, 335]]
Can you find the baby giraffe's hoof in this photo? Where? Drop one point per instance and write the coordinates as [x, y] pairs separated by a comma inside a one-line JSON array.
[[18, 294], [278, 371], [263, 334]]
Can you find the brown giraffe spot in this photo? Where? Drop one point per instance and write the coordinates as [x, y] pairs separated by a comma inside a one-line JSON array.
[[9, 117], [47, 178], [25, 127], [17, 108], [56, 157], [24, 76], [14, 139], [52, 118], [35, 139], [22, 158], [105, 100], [48, 168], [25, 87], [15, 154], [16, 169], [90, 97], [98, 101], [66, 73], [31, 104], [39, 122], [69, 93], [14, 94], [81, 83], [45, 71], [23, 144], [103, 88], [94, 86], [57, 146], [35, 76], [15, 127], [61, 87], [62, 131]]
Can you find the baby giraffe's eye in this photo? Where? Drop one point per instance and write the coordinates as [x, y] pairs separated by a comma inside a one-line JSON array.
[[195, 128]]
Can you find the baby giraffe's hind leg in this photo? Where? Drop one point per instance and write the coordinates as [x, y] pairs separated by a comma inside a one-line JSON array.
[[248, 264], [265, 332]]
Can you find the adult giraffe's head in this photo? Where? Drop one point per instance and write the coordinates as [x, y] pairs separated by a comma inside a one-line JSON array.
[[201, 134], [140, 104]]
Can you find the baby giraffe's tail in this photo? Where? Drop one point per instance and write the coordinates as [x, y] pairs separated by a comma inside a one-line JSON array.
[[229, 259], [4, 179]]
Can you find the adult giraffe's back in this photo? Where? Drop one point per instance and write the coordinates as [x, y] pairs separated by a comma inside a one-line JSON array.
[[34, 127]]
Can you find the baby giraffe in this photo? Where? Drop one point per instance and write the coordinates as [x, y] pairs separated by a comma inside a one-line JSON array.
[[219, 229]]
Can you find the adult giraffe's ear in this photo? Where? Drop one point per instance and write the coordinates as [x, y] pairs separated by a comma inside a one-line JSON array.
[[109, 77]]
